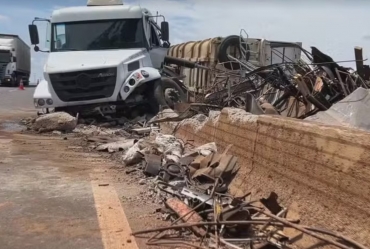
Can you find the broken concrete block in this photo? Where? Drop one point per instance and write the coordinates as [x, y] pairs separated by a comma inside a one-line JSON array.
[[57, 132], [172, 148], [133, 155], [166, 115], [58, 121], [204, 150], [117, 146]]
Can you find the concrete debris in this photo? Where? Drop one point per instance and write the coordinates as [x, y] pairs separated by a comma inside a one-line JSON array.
[[133, 155], [93, 130], [171, 147], [59, 121], [162, 116], [117, 146], [28, 121], [145, 130], [182, 111], [204, 150], [351, 111], [57, 132]]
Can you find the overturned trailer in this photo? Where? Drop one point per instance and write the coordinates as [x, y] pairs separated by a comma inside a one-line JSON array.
[[213, 54], [248, 73]]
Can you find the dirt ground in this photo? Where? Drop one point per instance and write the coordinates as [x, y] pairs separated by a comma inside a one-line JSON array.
[[56, 195], [53, 194]]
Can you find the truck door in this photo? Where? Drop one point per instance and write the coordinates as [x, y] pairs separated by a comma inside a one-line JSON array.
[[157, 51]]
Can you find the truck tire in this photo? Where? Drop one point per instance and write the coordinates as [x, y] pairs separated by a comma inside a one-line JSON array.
[[159, 93], [26, 82], [230, 41], [14, 82], [17, 81]]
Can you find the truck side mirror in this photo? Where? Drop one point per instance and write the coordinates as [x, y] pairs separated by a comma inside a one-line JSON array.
[[165, 31], [34, 34]]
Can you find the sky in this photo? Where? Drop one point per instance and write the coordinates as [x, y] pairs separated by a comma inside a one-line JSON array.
[[333, 26]]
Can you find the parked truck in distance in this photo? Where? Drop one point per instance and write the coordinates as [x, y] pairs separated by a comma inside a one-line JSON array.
[[15, 60]]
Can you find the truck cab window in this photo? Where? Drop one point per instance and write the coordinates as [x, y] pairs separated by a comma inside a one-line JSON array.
[[59, 36], [98, 35], [154, 37], [48, 36], [5, 56]]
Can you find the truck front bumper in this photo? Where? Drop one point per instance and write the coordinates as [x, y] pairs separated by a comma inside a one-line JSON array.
[[7, 82], [45, 97]]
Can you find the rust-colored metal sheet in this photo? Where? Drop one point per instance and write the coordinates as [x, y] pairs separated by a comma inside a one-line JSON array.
[[181, 209], [205, 53], [199, 51]]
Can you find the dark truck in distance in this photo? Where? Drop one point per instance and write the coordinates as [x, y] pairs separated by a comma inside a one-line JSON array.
[[15, 60]]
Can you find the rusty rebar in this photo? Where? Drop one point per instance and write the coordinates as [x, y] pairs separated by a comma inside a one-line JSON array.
[[174, 242], [309, 232], [187, 225]]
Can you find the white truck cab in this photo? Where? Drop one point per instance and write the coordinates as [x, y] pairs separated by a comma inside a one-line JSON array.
[[105, 52]]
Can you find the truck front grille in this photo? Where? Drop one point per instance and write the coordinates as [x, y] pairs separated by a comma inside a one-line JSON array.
[[84, 85], [2, 71]]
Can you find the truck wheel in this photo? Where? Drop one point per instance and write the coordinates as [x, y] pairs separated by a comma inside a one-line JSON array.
[[167, 92], [17, 81]]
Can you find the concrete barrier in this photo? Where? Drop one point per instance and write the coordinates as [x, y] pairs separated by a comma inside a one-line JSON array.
[[320, 172]]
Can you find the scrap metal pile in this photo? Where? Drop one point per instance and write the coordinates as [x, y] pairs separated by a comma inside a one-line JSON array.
[[295, 89], [194, 185]]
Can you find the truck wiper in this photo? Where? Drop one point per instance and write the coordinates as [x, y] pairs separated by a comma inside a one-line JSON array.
[[101, 48], [68, 49]]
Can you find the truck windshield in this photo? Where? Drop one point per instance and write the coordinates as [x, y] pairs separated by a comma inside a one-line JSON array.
[[98, 35], [5, 56]]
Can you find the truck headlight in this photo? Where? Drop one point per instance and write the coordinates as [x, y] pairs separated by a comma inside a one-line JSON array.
[[41, 102], [144, 73], [131, 82], [49, 101]]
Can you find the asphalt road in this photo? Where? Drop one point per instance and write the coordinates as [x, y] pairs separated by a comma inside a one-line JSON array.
[[12, 99], [52, 196]]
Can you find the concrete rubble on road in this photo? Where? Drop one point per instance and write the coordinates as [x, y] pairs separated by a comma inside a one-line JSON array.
[[193, 183], [58, 121]]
